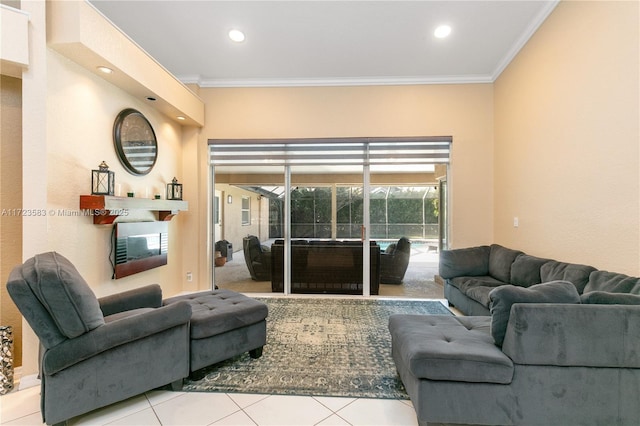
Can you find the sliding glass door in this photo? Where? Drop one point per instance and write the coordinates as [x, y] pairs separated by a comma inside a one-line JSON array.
[[323, 191], [248, 217]]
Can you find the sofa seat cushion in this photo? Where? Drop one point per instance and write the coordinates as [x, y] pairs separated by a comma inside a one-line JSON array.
[[461, 349], [216, 312], [465, 283], [572, 272], [476, 288], [64, 293], [606, 298], [612, 282], [502, 298]]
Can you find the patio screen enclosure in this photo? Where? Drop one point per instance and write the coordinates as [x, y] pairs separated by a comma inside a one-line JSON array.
[[394, 211]]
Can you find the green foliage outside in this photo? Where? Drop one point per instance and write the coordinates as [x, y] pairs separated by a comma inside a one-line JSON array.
[[394, 212]]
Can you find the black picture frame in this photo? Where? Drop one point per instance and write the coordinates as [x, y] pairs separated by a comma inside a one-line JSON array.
[[135, 142]]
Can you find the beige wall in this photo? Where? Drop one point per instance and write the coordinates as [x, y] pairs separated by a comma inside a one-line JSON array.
[[80, 115], [567, 139], [231, 216], [462, 111], [10, 200], [71, 113]]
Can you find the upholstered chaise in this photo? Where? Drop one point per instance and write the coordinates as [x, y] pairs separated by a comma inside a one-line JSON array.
[[95, 352], [574, 362]]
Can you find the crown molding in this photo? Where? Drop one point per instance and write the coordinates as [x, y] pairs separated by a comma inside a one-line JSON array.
[[524, 38], [325, 82]]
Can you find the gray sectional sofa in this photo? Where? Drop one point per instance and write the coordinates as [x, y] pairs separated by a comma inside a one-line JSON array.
[[471, 273], [548, 343]]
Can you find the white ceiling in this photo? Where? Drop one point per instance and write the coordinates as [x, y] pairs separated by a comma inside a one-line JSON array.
[[307, 43]]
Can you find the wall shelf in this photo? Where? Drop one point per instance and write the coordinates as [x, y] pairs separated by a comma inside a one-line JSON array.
[[107, 208]]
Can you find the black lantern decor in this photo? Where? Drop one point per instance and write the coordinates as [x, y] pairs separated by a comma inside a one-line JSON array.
[[174, 190], [102, 180]]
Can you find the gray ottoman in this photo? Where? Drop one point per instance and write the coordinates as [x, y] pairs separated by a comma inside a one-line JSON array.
[[223, 324]]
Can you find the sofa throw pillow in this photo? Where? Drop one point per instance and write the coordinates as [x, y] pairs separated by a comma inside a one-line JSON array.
[[503, 297], [64, 293], [500, 261], [606, 298]]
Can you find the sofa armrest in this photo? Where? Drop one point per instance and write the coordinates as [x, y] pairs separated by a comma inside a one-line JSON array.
[[464, 262], [149, 296], [115, 333], [574, 335]]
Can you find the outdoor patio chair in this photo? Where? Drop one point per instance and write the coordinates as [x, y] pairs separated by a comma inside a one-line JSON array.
[[257, 258], [394, 262]]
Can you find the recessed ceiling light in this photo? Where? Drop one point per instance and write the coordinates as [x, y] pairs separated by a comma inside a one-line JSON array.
[[181, 118], [442, 31], [105, 70], [236, 35]]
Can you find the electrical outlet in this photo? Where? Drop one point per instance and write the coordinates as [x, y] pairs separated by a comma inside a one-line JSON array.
[[189, 276], [516, 222]]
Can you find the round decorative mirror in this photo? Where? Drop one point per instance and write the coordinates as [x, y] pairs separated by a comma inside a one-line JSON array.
[[135, 142]]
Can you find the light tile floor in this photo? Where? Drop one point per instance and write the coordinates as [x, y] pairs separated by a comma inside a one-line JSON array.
[[192, 408]]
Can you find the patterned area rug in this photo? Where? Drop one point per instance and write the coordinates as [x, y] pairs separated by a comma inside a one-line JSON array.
[[323, 347]]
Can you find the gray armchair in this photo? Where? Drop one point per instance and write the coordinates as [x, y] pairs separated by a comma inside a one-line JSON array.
[[95, 352]]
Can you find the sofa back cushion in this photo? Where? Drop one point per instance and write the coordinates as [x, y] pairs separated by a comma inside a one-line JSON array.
[[612, 282], [503, 297], [466, 262], [572, 272], [33, 311], [500, 261], [525, 270], [63, 292]]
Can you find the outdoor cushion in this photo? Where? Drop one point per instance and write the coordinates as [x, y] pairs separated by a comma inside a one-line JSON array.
[[64, 293], [502, 298], [500, 261], [525, 270], [612, 282], [606, 298], [572, 272]]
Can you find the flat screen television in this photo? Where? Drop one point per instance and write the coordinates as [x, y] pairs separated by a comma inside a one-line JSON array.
[[139, 246]]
